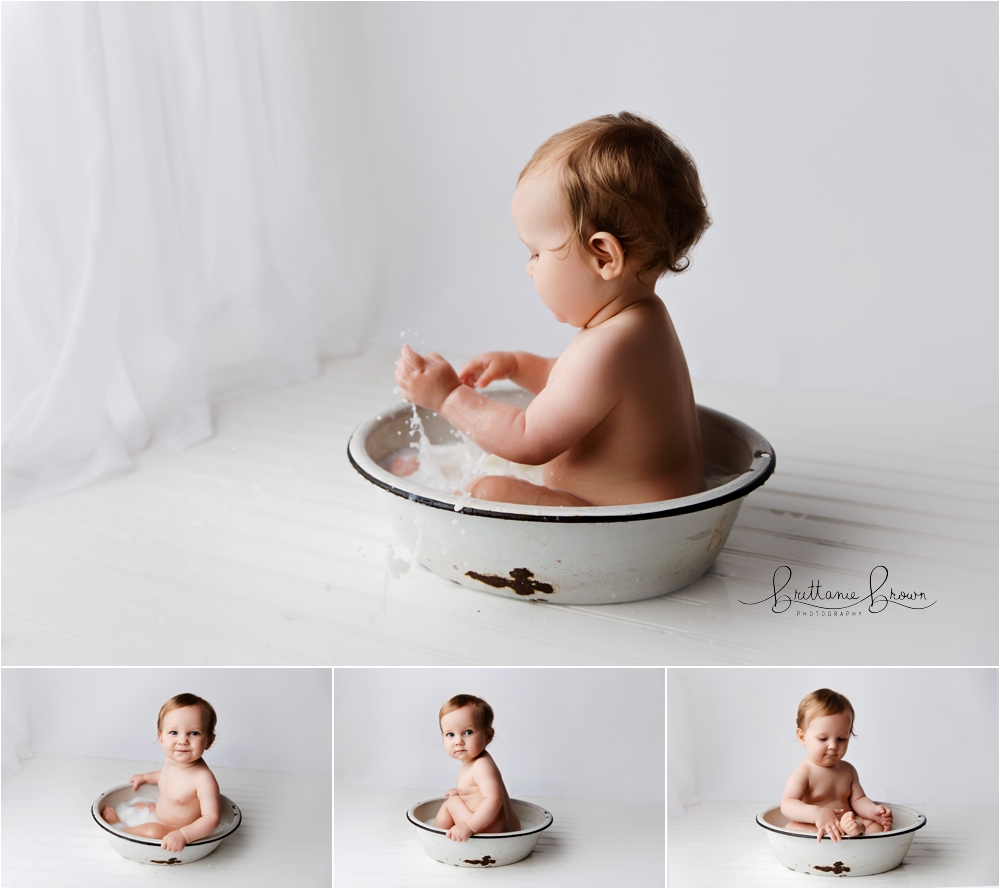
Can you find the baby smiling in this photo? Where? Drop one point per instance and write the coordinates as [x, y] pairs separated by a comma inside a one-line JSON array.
[[187, 808]]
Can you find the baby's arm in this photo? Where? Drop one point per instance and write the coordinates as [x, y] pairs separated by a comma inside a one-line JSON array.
[[867, 808], [827, 820], [145, 778], [207, 789], [577, 396], [529, 371]]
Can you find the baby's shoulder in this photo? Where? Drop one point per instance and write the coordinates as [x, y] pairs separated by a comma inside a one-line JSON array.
[[205, 777], [485, 765]]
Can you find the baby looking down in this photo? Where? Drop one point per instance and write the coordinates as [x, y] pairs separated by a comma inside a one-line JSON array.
[[824, 795], [479, 803], [605, 208], [187, 808]]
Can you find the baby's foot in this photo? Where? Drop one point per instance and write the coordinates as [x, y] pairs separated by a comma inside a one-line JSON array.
[[109, 815], [850, 825], [404, 465]]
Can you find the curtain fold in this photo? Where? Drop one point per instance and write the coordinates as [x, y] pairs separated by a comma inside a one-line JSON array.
[[184, 218]]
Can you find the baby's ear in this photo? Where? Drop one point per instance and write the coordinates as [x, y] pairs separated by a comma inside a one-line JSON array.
[[608, 254]]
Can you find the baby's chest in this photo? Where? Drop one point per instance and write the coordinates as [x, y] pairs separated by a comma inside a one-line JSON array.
[[831, 785], [466, 784], [179, 792]]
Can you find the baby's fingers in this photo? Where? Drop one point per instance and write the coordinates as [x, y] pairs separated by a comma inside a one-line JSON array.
[[411, 359]]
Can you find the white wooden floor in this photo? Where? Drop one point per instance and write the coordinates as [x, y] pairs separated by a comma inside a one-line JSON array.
[[957, 847], [588, 844], [48, 837], [269, 537]]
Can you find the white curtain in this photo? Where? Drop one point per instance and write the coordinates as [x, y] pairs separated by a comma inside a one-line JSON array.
[[184, 199]]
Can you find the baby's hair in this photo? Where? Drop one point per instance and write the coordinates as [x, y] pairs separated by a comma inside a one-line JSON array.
[[484, 711], [822, 702], [189, 700], [623, 175]]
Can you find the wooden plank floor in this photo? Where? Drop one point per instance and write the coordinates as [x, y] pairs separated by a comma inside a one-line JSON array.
[[957, 847], [48, 837], [588, 844], [269, 536]]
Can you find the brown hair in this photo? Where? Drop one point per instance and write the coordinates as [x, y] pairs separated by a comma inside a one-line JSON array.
[[189, 700], [484, 712], [622, 174], [822, 702]]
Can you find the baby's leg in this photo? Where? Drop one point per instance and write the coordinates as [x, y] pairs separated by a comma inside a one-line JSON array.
[[153, 830], [457, 813], [443, 818], [506, 489], [801, 825], [869, 826]]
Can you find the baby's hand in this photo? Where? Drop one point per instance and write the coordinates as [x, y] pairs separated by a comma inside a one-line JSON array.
[[452, 792], [484, 369], [137, 780], [173, 842], [460, 833], [425, 380], [828, 822], [883, 814]]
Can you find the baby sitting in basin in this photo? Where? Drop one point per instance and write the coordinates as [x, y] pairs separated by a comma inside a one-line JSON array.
[[605, 208], [824, 795], [479, 803], [187, 808]]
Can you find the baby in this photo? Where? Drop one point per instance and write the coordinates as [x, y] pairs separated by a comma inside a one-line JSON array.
[[824, 794], [187, 808], [479, 804], [605, 208]]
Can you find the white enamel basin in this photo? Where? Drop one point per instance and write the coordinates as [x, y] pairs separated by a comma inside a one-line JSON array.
[[852, 856], [567, 555], [147, 851], [484, 849]]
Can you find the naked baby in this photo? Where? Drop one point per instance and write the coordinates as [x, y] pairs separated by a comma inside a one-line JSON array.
[[605, 208], [824, 795], [187, 808], [479, 803]]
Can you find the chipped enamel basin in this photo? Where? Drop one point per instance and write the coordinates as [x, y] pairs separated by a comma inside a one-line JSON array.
[[852, 856], [570, 555], [480, 850], [147, 851]]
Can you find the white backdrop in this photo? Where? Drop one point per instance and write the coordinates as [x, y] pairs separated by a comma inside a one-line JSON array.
[[592, 734], [848, 152], [925, 736], [271, 719]]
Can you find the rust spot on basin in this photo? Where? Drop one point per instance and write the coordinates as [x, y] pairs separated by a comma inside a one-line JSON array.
[[485, 861], [520, 581], [171, 861], [837, 868]]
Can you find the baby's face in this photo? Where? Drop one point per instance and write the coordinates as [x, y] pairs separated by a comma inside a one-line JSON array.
[[826, 738], [564, 278], [464, 738], [183, 736]]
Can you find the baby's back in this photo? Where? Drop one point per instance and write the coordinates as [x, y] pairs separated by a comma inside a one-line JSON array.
[[648, 447]]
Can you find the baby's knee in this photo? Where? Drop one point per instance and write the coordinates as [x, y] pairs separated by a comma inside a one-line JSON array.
[[488, 487]]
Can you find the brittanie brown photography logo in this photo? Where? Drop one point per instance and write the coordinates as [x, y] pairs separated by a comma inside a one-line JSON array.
[[816, 600]]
